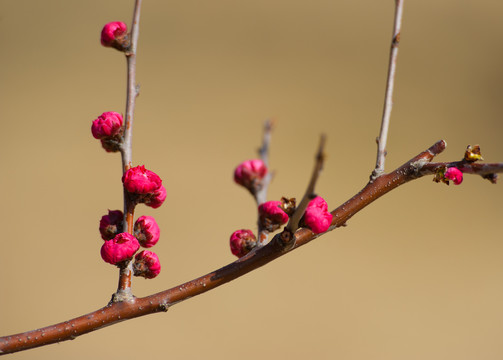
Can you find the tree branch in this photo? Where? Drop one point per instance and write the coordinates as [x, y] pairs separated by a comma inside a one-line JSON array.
[[124, 292], [113, 313], [388, 98]]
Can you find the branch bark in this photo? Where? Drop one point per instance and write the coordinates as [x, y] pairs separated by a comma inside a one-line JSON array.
[[388, 98]]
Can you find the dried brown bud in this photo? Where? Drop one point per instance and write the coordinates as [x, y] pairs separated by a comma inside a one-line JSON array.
[[472, 153]]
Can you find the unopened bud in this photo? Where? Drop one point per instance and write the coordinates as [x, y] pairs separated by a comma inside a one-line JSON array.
[[271, 215], [122, 247], [454, 174], [242, 242], [111, 224], [146, 264], [157, 198], [146, 231], [114, 34], [250, 174], [317, 217], [139, 180]]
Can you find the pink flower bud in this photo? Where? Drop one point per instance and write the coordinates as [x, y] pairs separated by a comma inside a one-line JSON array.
[[146, 264], [113, 34], [271, 215], [454, 174], [139, 180], [111, 224], [157, 199], [108, 124], [250, 174], [121, 247], [147, 231], [242, 242], [317, 217]]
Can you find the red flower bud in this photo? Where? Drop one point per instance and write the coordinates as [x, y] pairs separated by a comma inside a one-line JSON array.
[[157, 199], [114, 34], [122, 247], [250, 174], [271, 215], [139, 180], [454, 174], [111, 224], [317, 217], [242, 242], [146, 231], [108, 124], [146, 264]]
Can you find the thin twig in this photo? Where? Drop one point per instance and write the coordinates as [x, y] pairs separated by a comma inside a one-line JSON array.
[[124, 292], [293, 223], [261, 195], [388, 98], [263, 151]]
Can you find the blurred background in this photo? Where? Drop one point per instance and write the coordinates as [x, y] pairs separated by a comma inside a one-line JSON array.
[[417, 275]]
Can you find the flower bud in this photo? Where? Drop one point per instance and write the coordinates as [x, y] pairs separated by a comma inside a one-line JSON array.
[[146, 264], [114, 34], [242, 242], [111, 224], [139, 180], [271, 215], [146, 231], [250, 174], [122, 247], [157, 199], [108, 124], [317, 217], [454, 174]]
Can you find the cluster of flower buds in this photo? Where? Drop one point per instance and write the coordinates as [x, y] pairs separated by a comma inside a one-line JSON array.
[[250, 174], [114, 34], [141, 186], [317, 217], [119, 247], [108, 129]]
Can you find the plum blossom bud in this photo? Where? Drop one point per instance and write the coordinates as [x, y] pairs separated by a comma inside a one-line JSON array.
[[146, 231], [146, 264], [317, 217], [157, 199], [114, 34], [111, 224], [139, 180], [454, 174], [242, 242], [271, 215], [250, 174], [121, 247], [107, 125]]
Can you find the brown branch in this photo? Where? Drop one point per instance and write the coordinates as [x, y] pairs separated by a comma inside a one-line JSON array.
[[124, 292], [388, 98], [113, 313]]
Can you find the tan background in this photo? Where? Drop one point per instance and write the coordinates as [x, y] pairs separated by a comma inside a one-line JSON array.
[[417, 275]]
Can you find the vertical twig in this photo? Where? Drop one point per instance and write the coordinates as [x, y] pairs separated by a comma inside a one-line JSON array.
[[293, 223], [261, 195], [388, 98], [263, 151], [124, 288]]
